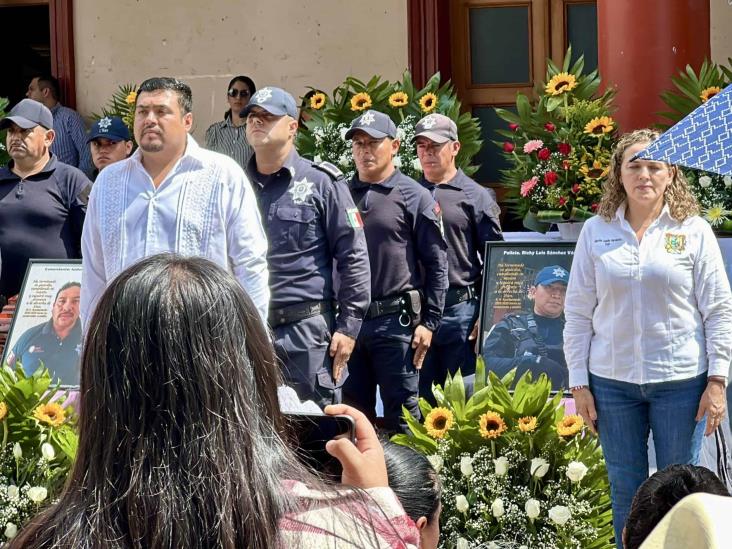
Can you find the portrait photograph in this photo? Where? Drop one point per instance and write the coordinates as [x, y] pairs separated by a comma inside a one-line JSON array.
[[46, 328], [522, 308]]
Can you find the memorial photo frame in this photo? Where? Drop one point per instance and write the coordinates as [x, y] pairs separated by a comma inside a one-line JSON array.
[[522, 308], [46, 328]]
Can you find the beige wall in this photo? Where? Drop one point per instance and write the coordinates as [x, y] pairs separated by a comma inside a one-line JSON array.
[[720, 27], [287, 43]]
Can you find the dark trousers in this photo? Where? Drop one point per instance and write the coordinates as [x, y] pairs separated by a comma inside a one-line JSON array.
[[303, 348], [383, 356], [450, 350]]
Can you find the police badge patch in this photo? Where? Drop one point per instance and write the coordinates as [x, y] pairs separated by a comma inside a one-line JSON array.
[[301, 190], [675, 243]]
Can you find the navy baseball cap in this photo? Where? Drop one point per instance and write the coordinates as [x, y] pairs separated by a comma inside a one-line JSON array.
[[28, 114], [109, 127], [273, 100], [550, 275], [436, 127], [375, 123]]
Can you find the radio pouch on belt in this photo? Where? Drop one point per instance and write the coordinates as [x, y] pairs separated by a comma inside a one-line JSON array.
[[413, 304]]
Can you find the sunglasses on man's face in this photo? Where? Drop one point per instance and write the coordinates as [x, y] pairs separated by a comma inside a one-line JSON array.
[[233, 92]]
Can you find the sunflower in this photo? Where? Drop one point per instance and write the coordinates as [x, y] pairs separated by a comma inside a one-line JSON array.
[[438, 422], [52, 414], [360, 102], [317, 101], [527, 424], [131, 97], [569, 426], [3, 411], [491, 425], [560, 83], [600, 126], [597, 171], [428, 102], [398, 99], [709, 92]]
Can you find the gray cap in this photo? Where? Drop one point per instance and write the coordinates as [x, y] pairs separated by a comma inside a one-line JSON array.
[[436, 127], [273, 100], [28, 114], [375, 123]]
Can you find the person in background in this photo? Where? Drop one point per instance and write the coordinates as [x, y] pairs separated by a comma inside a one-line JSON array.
[[229, 136], [417, 485], [172, 196], [648, 332], [69, 146], [181, 440], [469, 219], [109, 141], [660, 492]]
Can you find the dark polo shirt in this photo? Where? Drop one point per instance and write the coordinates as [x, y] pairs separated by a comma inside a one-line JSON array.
[[61, 356]]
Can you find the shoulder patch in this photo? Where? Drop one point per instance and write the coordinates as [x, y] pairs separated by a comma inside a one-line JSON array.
[[331, 169]]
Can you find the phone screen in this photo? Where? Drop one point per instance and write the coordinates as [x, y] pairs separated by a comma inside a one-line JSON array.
[[309, 434]]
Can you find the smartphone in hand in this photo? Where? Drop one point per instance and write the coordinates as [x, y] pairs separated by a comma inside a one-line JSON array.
[[309, 434]]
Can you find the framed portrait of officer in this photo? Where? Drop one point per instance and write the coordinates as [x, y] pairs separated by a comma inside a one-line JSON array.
[[46, 329], [522, 308]]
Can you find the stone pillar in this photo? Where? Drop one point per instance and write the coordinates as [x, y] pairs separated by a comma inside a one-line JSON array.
[[641, 45]]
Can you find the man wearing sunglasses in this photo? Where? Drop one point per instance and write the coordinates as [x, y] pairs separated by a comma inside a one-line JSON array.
[[312, 225], [229, 136]]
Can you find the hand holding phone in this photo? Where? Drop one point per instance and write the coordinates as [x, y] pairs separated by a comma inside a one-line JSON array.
[[363, 461], [310, 433]]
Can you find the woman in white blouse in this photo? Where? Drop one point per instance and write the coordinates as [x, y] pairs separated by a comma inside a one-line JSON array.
[[648, 328]]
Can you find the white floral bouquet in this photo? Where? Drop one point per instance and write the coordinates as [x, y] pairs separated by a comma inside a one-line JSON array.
[[38, 445], [516, 472]]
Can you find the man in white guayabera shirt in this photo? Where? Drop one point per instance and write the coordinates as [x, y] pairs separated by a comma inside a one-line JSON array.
[[171, 196]]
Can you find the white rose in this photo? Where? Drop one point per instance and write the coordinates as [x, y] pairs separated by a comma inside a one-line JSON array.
[[462, 543], [48, 452], [17, 451], [533, 508], [705, 181], [461, 504], [727, 181], [13, 492], [11, 530], [417, 165], [497, 508], [397, 161], [466, 466], [37, 494], [539, 467], [436, 461], [576, 471], [501, 465], [559, 515]]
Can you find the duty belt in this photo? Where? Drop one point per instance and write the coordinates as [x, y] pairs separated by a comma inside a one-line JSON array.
[[384, 307], [459, 295], [298, 311]]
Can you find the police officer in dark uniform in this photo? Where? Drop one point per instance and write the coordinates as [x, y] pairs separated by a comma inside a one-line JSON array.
[[533, 340], [57, 342], [408, 274], [469, 218], [311, 222]]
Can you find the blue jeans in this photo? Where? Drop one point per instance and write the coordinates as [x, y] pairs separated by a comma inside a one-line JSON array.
[[626, 413]]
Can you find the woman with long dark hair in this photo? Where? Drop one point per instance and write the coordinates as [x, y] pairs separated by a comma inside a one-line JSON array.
[[181, 441], [229, 136]]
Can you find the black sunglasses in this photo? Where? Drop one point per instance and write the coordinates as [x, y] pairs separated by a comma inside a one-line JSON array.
[[233, 92]]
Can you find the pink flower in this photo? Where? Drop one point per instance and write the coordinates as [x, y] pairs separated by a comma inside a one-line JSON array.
[[575, 188], [544, 154], [549, 127], [528, 186], [533, 145], [508, 147], [594, 206], [513, 126], [550, 178], [562, 201]]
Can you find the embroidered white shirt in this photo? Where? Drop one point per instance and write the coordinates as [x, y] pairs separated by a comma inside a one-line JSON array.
[[642, 313], [204, 207]]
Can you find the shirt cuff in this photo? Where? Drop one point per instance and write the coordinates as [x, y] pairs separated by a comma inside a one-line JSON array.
[[431, 323], [348, 325], [579, 376], [718, 367]]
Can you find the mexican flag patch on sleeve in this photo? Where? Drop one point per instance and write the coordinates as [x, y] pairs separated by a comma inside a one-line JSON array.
[[354, 218]]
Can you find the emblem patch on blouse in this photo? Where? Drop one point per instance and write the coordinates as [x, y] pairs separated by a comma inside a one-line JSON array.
[[675, 243], [301, 190]]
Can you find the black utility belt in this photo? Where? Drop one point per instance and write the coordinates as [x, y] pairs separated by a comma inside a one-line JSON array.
[[298, 311], [460, 295], [407, 305]]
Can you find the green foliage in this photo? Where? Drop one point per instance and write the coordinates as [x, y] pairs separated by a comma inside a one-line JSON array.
[[469, 464], [4, 157]]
